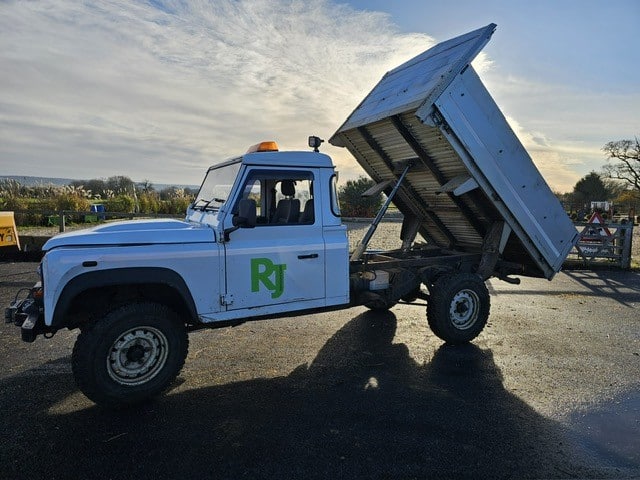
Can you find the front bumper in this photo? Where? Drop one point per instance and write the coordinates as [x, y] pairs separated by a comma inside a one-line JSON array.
[[28, 314]]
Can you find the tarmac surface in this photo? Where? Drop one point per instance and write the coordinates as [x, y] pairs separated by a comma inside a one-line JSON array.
[[550, 389]]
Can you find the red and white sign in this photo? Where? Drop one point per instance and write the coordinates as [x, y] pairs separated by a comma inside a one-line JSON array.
[[597, 238], [592, 230]]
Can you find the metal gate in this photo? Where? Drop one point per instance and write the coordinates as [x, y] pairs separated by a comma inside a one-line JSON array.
[[604, 244]]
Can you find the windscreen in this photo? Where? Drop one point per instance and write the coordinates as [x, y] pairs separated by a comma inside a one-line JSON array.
[[217, 185]]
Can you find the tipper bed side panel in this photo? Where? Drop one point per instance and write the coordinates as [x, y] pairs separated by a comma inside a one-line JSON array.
[[505, 171]]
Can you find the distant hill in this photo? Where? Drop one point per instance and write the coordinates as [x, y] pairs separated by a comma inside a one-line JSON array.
[[32, 181]]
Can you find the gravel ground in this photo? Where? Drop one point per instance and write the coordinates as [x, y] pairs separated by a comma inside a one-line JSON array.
[[550, 389]]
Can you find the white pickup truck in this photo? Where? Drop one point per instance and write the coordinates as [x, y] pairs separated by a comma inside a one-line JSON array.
[[264, 236]]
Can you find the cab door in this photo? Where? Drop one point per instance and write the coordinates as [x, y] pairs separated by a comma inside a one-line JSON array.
[[282, 259]]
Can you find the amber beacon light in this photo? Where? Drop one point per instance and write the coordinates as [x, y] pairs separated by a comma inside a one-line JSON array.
[[263, 147]]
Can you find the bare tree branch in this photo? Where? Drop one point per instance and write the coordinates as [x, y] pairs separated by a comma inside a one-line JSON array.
[[624, 158]]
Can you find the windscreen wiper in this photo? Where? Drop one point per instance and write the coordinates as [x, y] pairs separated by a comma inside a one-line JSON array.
[[207, 202]]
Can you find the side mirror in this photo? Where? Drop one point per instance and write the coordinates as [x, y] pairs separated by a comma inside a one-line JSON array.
[[245, 218]]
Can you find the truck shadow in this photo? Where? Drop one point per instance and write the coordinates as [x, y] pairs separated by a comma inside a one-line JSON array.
[[622, 286], [363, 409]]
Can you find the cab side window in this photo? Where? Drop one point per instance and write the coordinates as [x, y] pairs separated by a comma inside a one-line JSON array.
[[282, 198], [294, 202]]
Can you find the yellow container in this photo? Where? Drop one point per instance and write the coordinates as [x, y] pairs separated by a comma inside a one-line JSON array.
[[8, 230]]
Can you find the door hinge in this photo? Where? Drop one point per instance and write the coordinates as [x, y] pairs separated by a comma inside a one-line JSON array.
[[226, 300]]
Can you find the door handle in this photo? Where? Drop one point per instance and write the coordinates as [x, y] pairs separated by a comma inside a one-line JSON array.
[[311, 255]]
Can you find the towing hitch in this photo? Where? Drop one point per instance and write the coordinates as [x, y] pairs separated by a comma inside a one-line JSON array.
[[31, 327], [13, 312], [26, 314]]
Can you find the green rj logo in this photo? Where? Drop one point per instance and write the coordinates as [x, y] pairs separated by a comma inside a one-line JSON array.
[[269, 274]]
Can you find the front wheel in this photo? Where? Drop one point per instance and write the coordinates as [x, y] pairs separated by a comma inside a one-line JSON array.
[[458, 307], [130, 354]]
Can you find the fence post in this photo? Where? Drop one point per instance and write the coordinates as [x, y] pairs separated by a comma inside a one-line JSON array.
[[626, 236], [61, 215]]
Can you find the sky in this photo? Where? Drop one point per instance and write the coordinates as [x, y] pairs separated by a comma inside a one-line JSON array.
[[160, 90]]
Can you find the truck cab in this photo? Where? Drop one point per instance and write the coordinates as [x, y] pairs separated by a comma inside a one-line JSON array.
[[276, 217]]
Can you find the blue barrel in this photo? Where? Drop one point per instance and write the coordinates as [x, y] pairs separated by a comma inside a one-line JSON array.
[[98, 208]]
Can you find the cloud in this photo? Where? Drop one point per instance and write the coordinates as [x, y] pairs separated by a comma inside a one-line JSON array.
[[163, 89], [563, 128], [482, 63]]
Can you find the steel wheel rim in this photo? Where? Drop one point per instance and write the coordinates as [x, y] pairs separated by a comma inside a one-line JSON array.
[[464, 309], [137, 355]]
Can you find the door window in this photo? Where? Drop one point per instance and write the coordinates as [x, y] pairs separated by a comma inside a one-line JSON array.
[[282, 198]]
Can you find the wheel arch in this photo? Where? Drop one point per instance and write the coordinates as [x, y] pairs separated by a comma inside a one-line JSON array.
[[161, 285]]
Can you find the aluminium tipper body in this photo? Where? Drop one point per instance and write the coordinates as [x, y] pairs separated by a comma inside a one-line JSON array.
[[469, 168]]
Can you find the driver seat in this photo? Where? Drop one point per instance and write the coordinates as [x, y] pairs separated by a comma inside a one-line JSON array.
[[288, 209]]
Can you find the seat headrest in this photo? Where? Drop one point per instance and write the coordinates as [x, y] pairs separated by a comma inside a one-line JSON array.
[[287, 188]]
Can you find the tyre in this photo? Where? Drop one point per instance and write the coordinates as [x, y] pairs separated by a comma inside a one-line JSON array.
[[458, 307], [129, 355]]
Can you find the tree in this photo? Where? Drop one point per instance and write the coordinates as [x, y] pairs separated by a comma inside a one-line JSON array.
[[625, 165], [613, 187], [627, 200], [590, 188], [353, 204], [121, 185], [96, 186], [146, 186]]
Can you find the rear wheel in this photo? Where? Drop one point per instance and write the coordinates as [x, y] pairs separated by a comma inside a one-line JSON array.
[[458, 307], [130, 354]]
